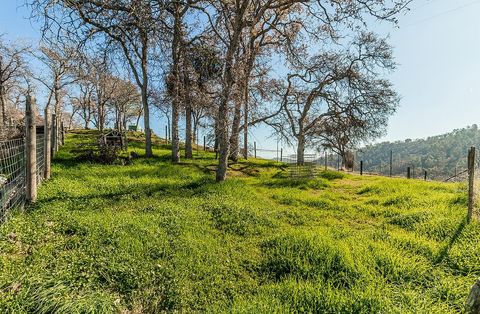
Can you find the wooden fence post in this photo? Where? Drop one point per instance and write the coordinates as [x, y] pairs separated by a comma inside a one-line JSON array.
[[204, 143], [408, 173], [281, 154], [47, 144], [54, 134], [361, 167], [471, 182], [255, 149], [425, 175], [31, 151]]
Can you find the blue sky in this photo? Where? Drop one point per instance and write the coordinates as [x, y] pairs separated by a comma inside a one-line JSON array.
[[437, 46]]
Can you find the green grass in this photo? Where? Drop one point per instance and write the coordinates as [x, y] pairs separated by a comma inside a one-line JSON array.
[[155, 237]]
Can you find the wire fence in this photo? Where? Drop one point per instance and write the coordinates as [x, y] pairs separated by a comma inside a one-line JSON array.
[[40, 158], [13, 169], [12, 175], [393, 165]]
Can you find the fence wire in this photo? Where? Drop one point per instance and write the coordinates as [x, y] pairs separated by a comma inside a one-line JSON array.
[[40, 158], [13, 172], [12, 175]]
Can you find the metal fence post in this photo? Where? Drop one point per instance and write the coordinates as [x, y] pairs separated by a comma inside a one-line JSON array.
[[31, 151], [255, 149], [471, 182], [361, 167], [204, 143], [47, 144]]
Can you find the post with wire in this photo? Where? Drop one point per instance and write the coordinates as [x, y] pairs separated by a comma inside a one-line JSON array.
[[47, 144], [31, 151]]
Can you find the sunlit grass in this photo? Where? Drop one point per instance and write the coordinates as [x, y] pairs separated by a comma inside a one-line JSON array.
[[152, 237]]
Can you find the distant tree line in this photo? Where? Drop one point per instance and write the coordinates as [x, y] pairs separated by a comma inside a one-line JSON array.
[[441, 156]]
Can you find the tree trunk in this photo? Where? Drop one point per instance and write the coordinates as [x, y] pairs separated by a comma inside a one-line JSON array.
[[124, 122], [176, 77], [138, 120], [228, 80], [300, 150], [86, 114], [188, 131], [248, 71], [58, 116], [188, 115], [101, 118], [146, 109], [223, 143], [3, 105], [245, 125], [195, 131], [215, 142], [234, 137]]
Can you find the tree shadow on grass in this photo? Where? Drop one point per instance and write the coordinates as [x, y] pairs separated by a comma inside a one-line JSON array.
[[443, 253], [134, 192]]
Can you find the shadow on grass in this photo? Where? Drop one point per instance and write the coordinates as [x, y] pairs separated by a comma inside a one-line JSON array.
[[446, 249], [135, 192]]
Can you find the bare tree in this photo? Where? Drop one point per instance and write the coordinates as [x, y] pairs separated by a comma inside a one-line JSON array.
[[13, 71], [126, 102], [337, 86], [83, 102], [229, 20], [131, 26]]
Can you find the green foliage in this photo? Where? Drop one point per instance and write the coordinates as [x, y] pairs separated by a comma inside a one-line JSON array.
[[154, 237], [439, 155]]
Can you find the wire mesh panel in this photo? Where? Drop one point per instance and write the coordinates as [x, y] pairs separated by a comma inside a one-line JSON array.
[[308, 169], [301, 172], [12, 175], [40, 158]]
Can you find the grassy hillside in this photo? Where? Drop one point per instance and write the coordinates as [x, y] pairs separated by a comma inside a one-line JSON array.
[[439, 155], [152, 237]]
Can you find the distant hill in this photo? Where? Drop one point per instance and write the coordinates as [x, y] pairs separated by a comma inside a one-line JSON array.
[[440, 155]]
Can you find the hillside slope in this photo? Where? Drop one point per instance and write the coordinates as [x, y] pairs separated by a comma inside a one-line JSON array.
[[439, 155], [152, 237]]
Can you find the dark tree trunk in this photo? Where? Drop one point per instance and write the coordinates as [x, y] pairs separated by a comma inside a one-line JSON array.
[[188, 131], [146, 109], [300, 150], [245, 126], [176, 75], [228, 81], [3, 105], [234, 137]]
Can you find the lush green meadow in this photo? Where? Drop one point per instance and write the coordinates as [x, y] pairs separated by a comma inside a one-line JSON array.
[[154, 237]]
